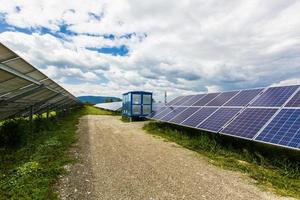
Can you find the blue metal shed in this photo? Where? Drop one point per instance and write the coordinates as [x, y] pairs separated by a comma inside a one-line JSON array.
[[137, 104]]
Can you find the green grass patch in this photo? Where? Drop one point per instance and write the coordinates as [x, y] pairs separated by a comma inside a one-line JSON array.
[[275, 169], [30, 166]]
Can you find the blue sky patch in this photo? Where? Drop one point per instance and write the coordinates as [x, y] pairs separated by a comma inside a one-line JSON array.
[[109, 36], [115, 51]]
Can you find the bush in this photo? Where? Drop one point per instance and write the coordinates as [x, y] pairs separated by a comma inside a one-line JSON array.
[[13, 132], [17, 132]]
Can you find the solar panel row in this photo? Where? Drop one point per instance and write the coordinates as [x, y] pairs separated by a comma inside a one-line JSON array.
[[270, 115], [24, 88], [113, 106]]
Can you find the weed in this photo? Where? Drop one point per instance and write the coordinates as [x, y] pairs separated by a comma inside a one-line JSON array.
[[29, 170]]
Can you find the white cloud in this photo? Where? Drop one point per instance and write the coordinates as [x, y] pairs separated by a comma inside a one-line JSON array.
[[55, 72], [294, 81], [191, 46]]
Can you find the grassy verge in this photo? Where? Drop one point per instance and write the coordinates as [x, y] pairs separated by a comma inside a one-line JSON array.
[[29, 169], [274, 169]]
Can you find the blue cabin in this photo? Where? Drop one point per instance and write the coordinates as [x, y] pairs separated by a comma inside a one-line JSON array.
[[137, 104]]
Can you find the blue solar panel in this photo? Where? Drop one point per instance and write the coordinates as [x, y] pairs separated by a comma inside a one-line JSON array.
[[173, 113], [217, 120], [192, 100], [198, 117], [206, 99], [156, 112], [184, 115], [249, 122], [275, 96], [182, 100], [174, 100], [222, 98], [243, 98], [284, 129], [295, 101], [162, 112]]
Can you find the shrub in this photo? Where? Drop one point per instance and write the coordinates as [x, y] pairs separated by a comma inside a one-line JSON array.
[[13, 132]]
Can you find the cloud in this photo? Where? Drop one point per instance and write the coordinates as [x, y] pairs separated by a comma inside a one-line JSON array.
[[183, 47], [75, 73]]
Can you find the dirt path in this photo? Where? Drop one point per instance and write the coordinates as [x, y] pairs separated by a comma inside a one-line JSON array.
[[120, 161]]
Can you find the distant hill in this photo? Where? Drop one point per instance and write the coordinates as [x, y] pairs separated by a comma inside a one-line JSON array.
[[98, 99]]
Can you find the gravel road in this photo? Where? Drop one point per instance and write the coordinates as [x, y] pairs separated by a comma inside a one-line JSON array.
[[120, 161]]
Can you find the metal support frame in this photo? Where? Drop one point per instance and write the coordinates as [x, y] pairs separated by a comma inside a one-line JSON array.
[[23, 94], [47, 112], [11, 59], [18, 74], [37, 105], [25, 77], [31, 111], [30, 87]]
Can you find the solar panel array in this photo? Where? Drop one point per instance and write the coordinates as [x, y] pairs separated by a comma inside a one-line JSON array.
[[268, 115], [24, 88], [112, 106]]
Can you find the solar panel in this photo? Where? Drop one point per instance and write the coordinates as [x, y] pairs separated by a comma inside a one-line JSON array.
[[243, 98], [156, 112], [163, 112], [113, 106], [173, 113], [284, 129], [217, 120], [198, 117], [249, 122], [222, 98], [193, 99], [295, 101], [275, 96], [185, 114], [23, 86], [207, 98], [174, 100], [244, 114], [182, 100]]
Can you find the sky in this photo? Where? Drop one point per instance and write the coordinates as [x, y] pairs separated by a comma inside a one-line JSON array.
[[109, 47]]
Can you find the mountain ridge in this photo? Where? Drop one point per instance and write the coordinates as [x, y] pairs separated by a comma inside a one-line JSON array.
[[98, 99]]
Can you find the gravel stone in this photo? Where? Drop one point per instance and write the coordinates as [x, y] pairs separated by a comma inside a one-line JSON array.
[[119, 160]]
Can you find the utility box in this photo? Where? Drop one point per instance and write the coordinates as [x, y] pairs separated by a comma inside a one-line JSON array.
[[137, 104]]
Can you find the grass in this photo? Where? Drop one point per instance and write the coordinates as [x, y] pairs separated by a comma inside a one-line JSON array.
[[29, 170], [274, 169]]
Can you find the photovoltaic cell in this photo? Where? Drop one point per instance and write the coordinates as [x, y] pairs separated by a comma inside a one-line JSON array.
[[284, 129], [206, 99], [182, 100], [249, 122], [193, 99], [114, 106], [173, 113], [243, 98], [155, 114], [184, 115], [222, 98], [217, 120], [219, 112], [295, 101], [198, 117], [275, 96], [174, 100]]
